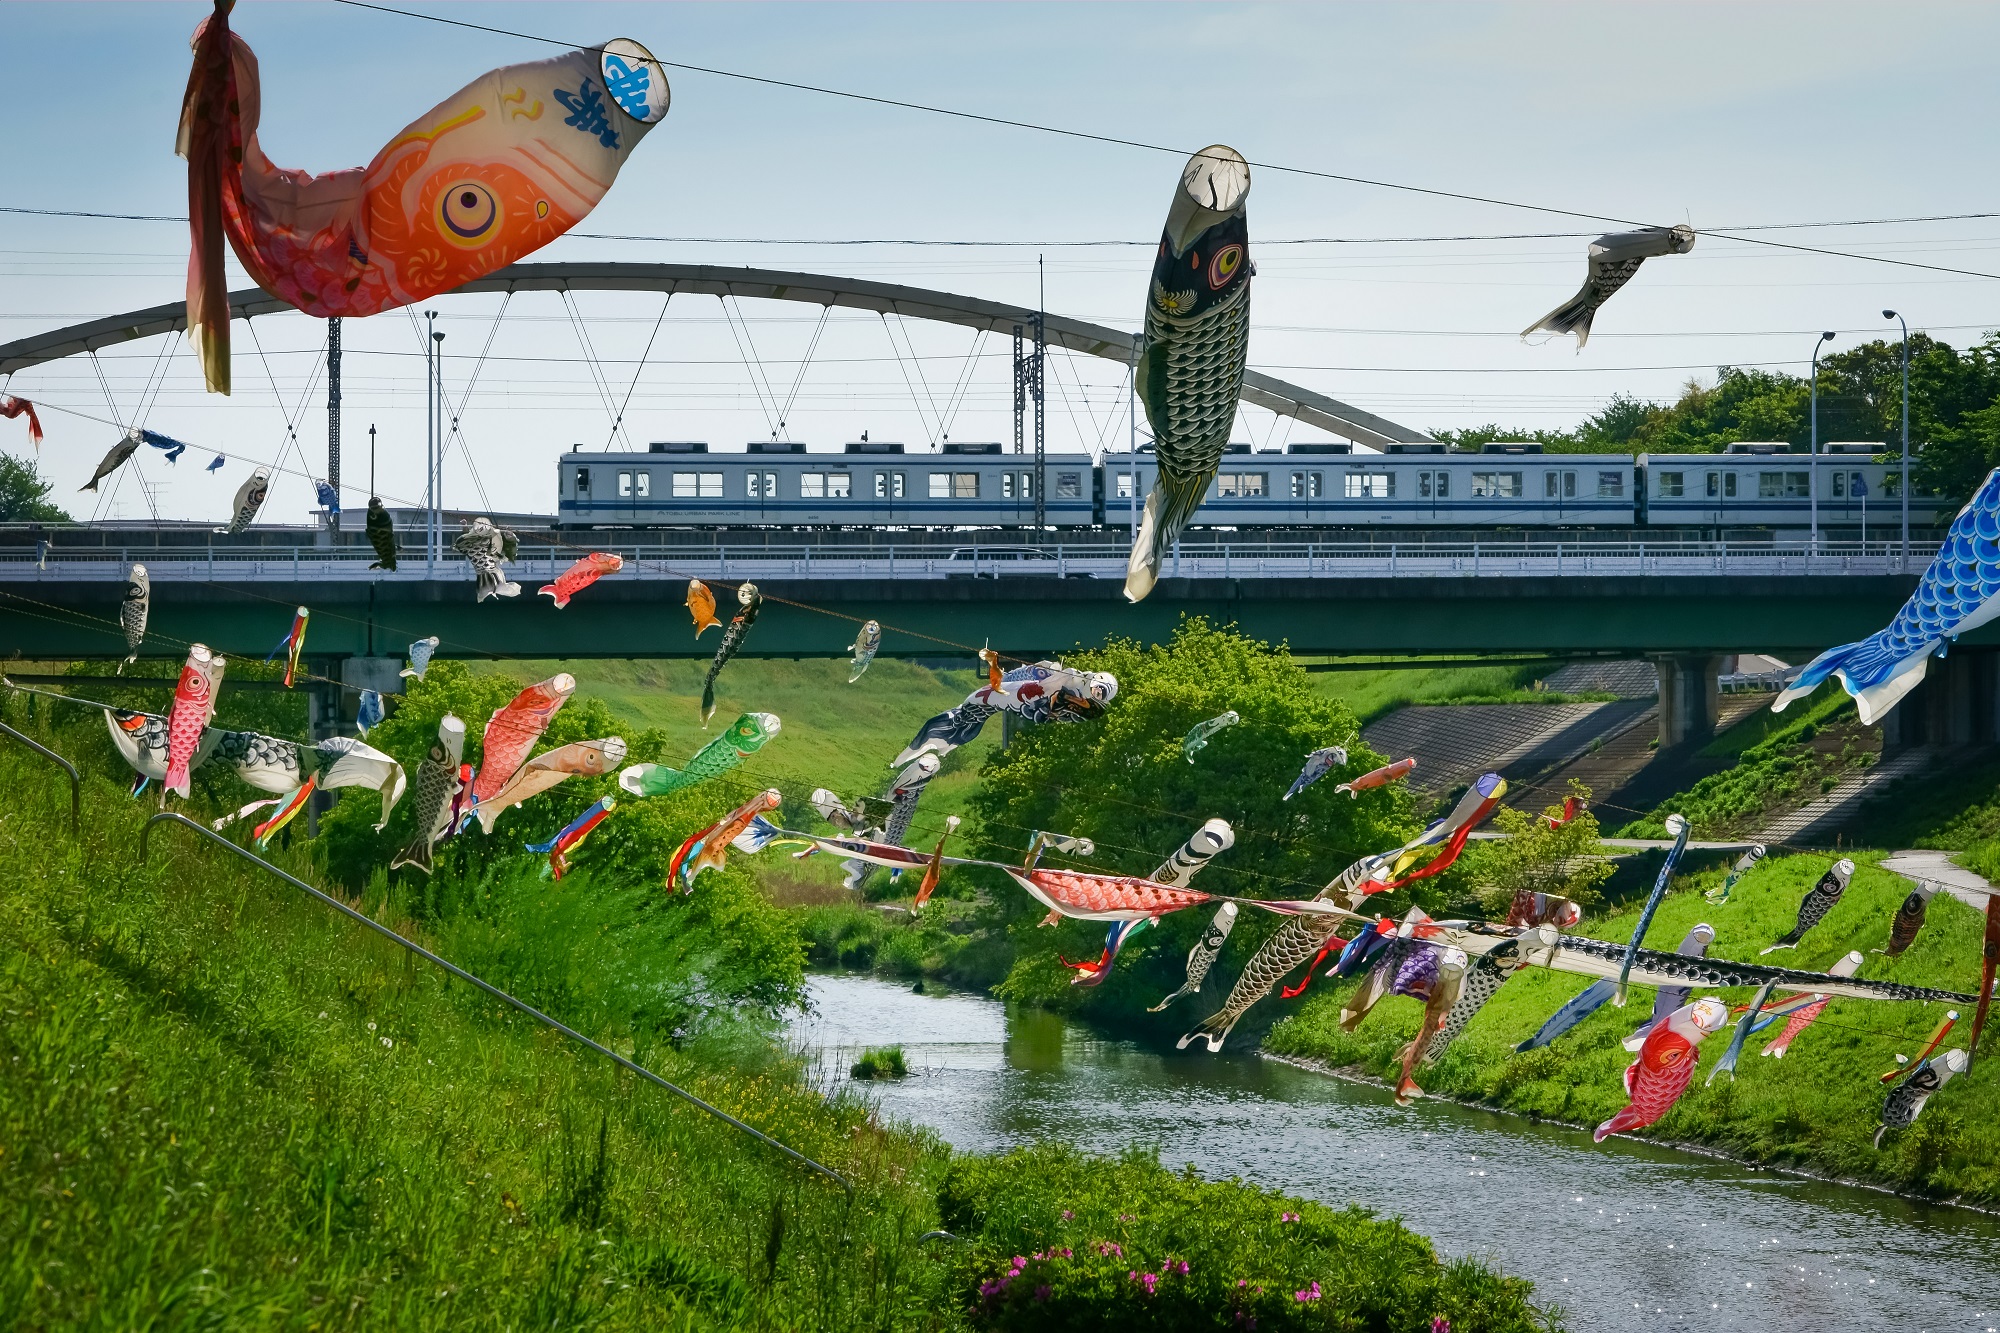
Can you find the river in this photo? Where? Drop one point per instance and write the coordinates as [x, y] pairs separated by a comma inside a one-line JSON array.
[[1625, 1236]]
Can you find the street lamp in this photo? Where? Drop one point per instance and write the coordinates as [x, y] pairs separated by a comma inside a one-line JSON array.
[[1890, 314], [1812, 468]]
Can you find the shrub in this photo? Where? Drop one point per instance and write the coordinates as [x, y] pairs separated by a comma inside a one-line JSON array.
[[880, 1062], [1061, 1241]]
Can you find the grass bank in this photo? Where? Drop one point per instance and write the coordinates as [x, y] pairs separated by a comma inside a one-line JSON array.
[[1817, 1109], [224, 1107]]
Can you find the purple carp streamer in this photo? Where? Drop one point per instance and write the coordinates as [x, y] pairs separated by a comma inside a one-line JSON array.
[[1614, 260], [1190, 370]]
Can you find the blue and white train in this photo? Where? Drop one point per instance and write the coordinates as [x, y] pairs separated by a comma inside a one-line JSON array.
[[878, 484]]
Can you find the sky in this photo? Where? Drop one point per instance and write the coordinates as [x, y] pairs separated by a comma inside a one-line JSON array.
[[1716, 115]]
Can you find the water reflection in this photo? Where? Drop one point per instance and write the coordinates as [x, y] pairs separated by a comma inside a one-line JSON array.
[[1626, 1236]]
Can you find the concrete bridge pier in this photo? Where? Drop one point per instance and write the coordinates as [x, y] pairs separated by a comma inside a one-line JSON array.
[[1690, 698], [1958, 703]]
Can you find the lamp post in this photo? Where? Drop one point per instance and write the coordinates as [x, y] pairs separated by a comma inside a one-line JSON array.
[[1812, 467], [430, 442], [1890, 314]]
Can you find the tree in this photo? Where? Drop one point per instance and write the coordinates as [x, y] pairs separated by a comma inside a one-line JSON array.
[[24, 495], [1536, 857], [1125, 784]]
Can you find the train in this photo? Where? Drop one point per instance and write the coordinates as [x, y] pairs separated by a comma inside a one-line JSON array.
[[1304, 488]]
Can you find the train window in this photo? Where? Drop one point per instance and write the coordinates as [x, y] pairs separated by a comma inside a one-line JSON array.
[[940, 485], [711, 485], [1892, 485], [625, 484], [1673, 485], [955, 485], [1069, 485], [1369, 485], [1014, 484], [1124, 490], [1242, 485], [1856, 487], [839, 485], [1559, 485], [888, 485], [1840, 485], [1496, 485], [1783, 485], [1611, 485], [812, 485], [1307, 485], [1729, 485], [583, 481], [762, 485], [642, 484], [1434, 485], [1714, 484]]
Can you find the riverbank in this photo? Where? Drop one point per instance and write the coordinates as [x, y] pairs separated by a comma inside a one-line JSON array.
[[1815, 1111], [225, 1106]]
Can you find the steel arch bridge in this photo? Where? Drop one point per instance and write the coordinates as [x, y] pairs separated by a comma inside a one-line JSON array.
[[1259, 390]]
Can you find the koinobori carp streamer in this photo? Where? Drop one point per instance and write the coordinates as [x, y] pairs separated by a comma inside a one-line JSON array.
[[493, 173]]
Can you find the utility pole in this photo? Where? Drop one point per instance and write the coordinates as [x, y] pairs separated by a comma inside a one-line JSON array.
[[1890, 314], [437, 455], [1041, 343], [1132, 439], [1812, 467], [333, 419]]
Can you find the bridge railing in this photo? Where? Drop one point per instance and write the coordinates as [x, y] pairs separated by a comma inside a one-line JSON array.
[[1244, 560]]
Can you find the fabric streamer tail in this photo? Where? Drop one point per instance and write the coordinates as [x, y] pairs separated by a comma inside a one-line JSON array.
[[1169, 508], [1679, 828], [286, 812], [1936, 1040], [11, 407], [1593, 997], [1744, 1026], [936, 865], [1990, 959]]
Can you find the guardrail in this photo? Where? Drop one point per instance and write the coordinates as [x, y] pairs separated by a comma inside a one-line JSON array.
[[1247, 560]]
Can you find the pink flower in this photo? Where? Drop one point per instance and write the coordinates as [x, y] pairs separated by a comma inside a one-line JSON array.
[[1439, 1324], [1068, 1216], [1289, 1217], [1312, 1294]]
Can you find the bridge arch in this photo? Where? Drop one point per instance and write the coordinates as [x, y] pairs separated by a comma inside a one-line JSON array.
[[1260, 390]]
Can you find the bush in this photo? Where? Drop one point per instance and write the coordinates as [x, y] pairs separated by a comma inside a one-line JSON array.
[[1125, 783], [880, 1062], [1061, 1241]]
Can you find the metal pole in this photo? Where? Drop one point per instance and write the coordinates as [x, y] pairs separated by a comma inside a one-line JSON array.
[[371, 461], [1890, 314], [430, 438], [1041, 346], [333, 419], [437, 489], [1132, 442], [1812, 467]]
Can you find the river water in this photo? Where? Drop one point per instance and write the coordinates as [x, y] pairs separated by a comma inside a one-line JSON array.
[[1625, 1236]]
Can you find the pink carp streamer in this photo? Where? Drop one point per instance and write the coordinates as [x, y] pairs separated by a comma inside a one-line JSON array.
[[708, 849], [491, 174], [194, 705], [512, 731]]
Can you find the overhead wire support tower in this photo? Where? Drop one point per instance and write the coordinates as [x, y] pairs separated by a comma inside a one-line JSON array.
[[1028, 367]]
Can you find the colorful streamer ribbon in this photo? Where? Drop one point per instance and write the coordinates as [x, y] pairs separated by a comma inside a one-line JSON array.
[[292, 645], [572, 834], [288, 808]]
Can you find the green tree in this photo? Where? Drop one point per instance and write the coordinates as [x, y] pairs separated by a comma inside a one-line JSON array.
[[1125, 784], [24, 495], [1538, 856]]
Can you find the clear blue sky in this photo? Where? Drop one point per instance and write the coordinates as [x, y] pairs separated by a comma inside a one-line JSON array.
[[1708, 113]]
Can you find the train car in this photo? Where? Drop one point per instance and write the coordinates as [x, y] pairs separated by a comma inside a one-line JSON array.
[[1408, 486], [776, 483], [1757, 484]]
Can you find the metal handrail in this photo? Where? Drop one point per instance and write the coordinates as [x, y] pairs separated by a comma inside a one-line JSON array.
[[75, 778], [362, 918]]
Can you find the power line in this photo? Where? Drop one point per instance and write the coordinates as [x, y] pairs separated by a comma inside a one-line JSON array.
[[1116, 141], [968, 243]]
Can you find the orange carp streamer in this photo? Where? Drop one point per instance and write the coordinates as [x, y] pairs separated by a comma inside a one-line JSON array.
[[494, 172]]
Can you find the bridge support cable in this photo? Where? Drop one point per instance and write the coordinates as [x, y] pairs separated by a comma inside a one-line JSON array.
[[618, 420], [785, 414], [294, 416], [931, 437], [753, 365], [1280, 396], [333, 420], [591, 363], [363, 919], [464, 447], [963, 384]]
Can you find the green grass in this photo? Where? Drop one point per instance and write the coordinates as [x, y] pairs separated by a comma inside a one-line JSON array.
[[225, 1107], [835, 735], [1817, 1108], [1372, 694], [880, 1062]]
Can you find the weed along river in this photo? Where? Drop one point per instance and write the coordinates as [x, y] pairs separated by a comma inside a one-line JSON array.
[[1624, 1236]]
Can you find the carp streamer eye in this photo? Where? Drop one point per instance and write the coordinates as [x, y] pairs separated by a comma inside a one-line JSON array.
[[468, 214], [1223, 267]]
